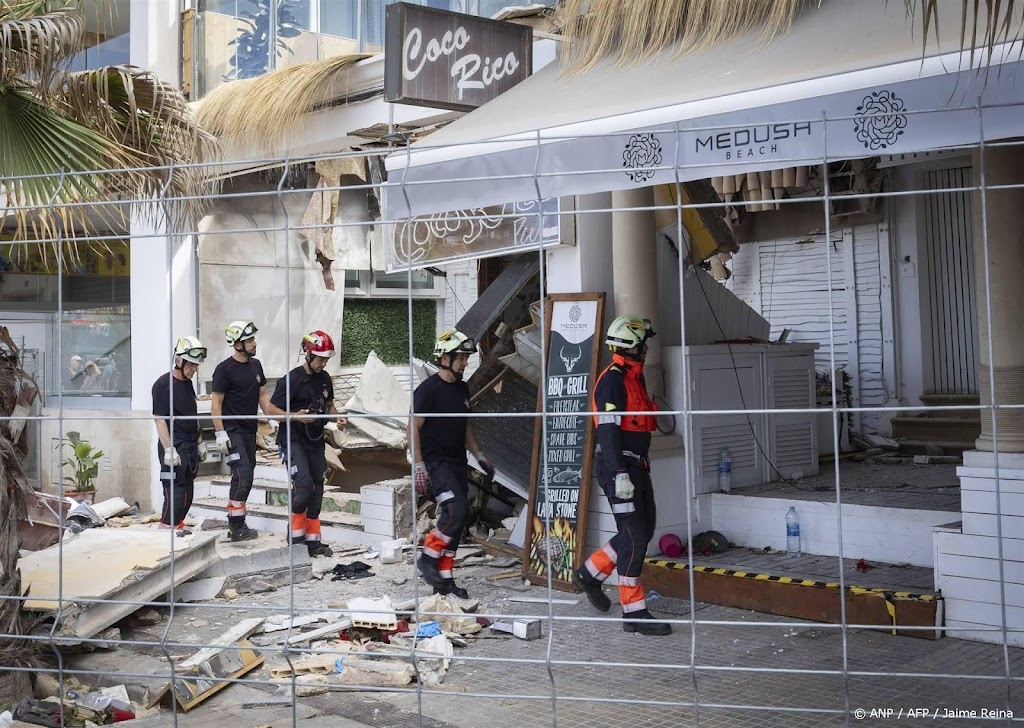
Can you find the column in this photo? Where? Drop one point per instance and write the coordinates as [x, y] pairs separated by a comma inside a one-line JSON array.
[[1005, 267], [635, 265]]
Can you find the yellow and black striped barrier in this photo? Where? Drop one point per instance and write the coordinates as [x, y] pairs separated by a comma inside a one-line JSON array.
[[890, 596]]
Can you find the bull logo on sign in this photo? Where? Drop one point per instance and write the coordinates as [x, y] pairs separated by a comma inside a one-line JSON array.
[[570, 360]]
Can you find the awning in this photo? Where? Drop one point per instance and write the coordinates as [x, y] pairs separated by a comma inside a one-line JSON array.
[[848, 81]]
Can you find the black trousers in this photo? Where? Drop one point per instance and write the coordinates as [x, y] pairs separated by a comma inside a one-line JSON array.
[[178, 483], [634, 519], [243, 468], [308, 465], [449, 485]]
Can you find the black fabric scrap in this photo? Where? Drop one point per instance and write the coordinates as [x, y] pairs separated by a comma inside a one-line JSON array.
[[348, 572]]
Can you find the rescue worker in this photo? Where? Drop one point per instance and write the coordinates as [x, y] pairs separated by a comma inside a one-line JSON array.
[[438, 451], [307, 390], [624, 474], [239, 387], [180, 448]]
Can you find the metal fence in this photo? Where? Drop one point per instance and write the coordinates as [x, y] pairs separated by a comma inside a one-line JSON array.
[[722, 666]]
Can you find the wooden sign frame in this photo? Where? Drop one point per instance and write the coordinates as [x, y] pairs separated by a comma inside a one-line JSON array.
[[569, 535]]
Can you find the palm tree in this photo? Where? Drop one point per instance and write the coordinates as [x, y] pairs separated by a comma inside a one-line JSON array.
[[635, 31], [76, 151], [96, 136]]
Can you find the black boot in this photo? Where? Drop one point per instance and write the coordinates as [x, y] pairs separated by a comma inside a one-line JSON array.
[[316, 548], [453, 589], [645, 624], [238, 531], [592, 589], [428, 570]]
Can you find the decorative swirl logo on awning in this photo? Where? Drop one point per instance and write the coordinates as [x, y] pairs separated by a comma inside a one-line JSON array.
[[880, 120], [642, 154]]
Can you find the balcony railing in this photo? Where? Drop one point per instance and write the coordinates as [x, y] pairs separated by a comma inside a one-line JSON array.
[[232, 38]]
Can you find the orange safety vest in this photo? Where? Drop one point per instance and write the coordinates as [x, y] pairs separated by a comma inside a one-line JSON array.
[[637, 399]]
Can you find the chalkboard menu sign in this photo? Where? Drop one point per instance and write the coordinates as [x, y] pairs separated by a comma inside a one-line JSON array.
[[556, 531]]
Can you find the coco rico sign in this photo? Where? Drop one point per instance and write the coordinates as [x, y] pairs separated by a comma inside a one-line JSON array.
[[449, 60]]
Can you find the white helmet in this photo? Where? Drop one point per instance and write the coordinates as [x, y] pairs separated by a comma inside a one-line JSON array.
[[453, 341], [190, 349], [628, 331], [240, 331]]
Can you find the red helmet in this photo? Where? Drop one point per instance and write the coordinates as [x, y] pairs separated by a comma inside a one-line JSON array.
[[318, 343]]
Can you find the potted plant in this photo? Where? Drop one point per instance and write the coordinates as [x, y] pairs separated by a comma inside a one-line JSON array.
[[85, 460]]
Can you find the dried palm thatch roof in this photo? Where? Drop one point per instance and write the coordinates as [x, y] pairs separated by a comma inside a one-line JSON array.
[[265, 111], [635, 31], [632, 32]]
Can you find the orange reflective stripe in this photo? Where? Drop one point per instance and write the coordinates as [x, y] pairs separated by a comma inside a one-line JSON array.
[[298, 525], [631, 596], [445, 565], [434, 544], [312, 526], [602, 562]]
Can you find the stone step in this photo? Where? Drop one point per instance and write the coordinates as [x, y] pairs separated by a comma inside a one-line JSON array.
[[924, 447], [936, 429], [336, 527], [265, 492]]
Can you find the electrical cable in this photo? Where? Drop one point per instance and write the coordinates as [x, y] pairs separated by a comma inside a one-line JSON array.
[[736, 373]]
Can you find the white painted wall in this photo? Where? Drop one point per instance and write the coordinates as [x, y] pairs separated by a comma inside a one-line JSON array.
[[979, 567], [869, 532], [907, 249], [254, 265], [155, 42]]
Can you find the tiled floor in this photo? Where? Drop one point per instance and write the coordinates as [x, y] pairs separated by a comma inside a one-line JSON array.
[[924, 487]]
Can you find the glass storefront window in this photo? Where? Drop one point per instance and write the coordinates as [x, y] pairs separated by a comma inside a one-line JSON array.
[[106, 38], [96, 343]]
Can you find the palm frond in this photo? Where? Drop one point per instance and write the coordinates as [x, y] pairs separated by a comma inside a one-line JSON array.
[[267, 109], [633, 32], [36, 45], [984, 24], [47, 159]]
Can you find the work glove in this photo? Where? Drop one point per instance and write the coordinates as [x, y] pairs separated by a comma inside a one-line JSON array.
[[485, 465], [223, 443], [171, 458], [623, 486], [204, 451], [421, 479]]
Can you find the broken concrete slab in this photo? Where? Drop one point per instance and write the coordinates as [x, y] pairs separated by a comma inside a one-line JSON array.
[[126, 566], [200, 590], [211, 669], [269, 580], [936, 460], [868, 441], [265, 553]]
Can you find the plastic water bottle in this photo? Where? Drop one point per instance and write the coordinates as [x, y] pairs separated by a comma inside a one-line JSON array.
[[792, 532], [725, 471]]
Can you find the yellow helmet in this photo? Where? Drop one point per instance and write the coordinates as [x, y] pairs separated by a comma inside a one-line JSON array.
[[629, 330]]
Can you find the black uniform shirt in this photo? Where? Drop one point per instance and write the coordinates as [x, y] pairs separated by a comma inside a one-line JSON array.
[[240, 383], [186, 426], [309, 391], [442, 438]]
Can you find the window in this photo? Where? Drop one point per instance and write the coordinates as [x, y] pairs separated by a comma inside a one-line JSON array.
[[96, 346], [393, 285], [106, 38], [339, 18]]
